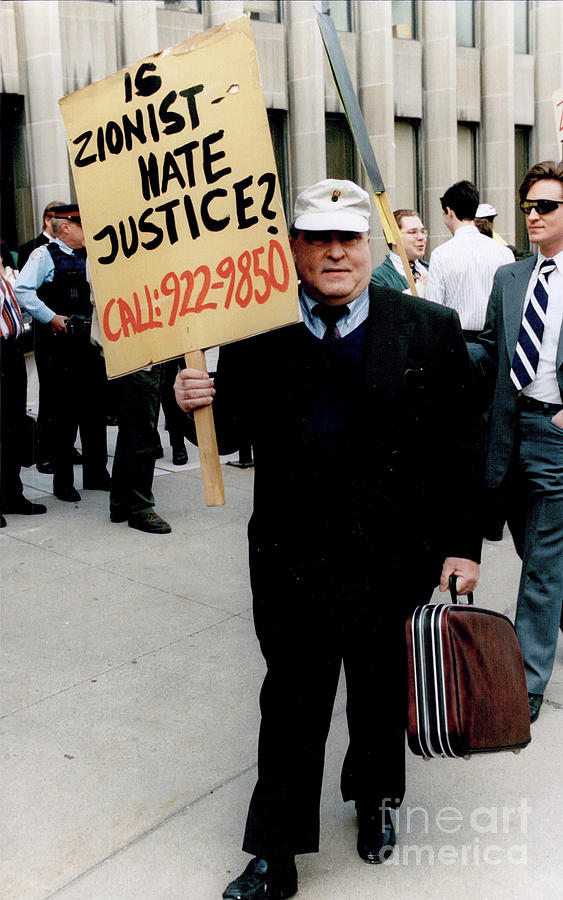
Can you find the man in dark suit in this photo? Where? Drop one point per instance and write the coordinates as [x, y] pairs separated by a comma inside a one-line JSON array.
[[353, 523], [522, 346]]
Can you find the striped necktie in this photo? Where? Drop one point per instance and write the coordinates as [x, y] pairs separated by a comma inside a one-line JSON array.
[[525, 362], [330, 315]]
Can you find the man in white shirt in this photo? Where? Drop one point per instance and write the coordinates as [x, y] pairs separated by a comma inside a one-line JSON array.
[[462, 270], [522, 343], [391, 272]]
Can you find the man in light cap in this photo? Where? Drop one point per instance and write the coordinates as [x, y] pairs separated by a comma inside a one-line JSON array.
[[52, 286], [347, 412]]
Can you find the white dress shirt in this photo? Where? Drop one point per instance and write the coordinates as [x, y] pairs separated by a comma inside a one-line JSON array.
[[544, 387], [461, 274]]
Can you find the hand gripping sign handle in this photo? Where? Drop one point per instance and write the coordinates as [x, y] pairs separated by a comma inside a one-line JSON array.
[[207, 442]]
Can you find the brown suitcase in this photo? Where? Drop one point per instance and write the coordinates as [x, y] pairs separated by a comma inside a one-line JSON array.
[[466, 685]]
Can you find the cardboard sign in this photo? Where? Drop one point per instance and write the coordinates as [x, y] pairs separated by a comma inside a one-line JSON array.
[[557, 98], [179, 197]]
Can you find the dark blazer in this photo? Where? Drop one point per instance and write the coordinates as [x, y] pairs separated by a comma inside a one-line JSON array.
[[409, 474], [497, 344], [26, 249]]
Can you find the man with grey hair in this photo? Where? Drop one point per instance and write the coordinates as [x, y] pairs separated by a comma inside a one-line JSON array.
[[346, 413]]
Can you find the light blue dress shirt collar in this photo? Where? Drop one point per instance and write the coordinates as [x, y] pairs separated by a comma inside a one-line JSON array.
[[359, 309]]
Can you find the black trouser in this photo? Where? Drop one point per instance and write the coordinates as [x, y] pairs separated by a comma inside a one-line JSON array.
[[311, 618], [13, 384], [78, 382], [174, 417], [137, 405]]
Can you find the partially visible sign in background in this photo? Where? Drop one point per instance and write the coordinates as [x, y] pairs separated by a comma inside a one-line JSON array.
[[178, 191], [557, 98]]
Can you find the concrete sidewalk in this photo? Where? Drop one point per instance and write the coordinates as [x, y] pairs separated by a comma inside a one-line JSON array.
[[130, 716]]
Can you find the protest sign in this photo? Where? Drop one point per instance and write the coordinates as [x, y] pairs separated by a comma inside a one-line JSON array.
[[179, 197], [557, 98]]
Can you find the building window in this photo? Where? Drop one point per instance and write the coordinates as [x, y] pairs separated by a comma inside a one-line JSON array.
[[465, 23], [404, 19], [340, 12], [407, 165], [521, 166], [521, 26], [182, 5], [467, 152], [277, 123], [263, 10], [340, 148]]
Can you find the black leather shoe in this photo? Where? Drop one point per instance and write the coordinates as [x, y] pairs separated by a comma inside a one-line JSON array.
[[149, 522], [376, 835], [179, 456], [264, 881], [21, 506], [45, 467], [70, 494], [535, 701]]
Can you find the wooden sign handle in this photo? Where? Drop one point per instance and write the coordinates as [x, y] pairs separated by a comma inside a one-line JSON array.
[[206, 440], [386, 206]]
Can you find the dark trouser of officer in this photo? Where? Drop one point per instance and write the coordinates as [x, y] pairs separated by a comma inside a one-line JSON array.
[[137, 405], [78, 378], [174, 417]]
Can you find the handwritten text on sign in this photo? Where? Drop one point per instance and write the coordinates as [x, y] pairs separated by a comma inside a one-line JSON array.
[[180, 202]]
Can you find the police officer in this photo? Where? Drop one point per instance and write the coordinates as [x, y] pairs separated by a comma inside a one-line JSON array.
[[53, 287]]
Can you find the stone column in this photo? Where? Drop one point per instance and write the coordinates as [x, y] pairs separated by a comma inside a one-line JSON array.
[[137, 30], [375, 95], [306, 125], [375, 83], [45, 134], [215, 12], [547, 26], [497, 112], [439, 123]]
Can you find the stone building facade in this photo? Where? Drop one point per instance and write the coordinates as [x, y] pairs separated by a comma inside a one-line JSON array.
[[448, 90]]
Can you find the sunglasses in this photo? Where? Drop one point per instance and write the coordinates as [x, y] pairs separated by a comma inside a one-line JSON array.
[[542, 207]]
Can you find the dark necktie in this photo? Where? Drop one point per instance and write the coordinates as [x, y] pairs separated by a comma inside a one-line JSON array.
[[330, 316], [526, 357]]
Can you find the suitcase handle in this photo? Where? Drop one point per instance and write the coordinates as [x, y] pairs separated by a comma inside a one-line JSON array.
[[453, 591]]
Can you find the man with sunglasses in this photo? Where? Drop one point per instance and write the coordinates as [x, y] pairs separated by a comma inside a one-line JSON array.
[[522, 345]]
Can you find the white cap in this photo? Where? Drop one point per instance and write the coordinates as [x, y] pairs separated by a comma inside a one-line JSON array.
[[484, 210], [332, 205]]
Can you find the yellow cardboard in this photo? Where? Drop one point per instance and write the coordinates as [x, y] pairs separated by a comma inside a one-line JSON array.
[[179, 196]]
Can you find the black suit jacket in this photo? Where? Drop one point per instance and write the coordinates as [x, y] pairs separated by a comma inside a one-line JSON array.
[[497, 345], [408, 477], [26, 249]]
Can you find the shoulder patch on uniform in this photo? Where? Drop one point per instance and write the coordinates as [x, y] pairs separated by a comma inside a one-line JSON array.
[[38, 253]]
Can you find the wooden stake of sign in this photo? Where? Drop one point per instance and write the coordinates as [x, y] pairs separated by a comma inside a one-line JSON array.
[[358, 128], [207, 441]]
